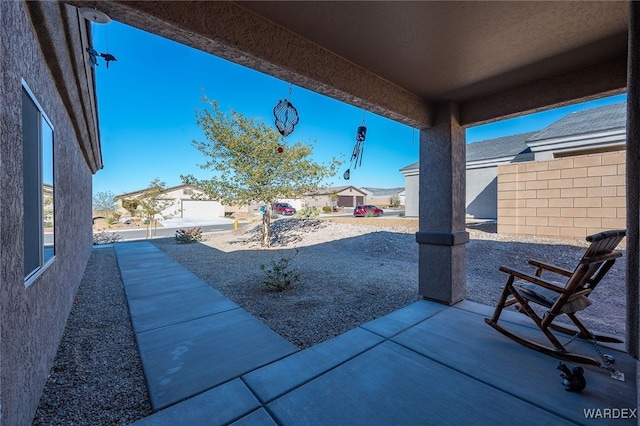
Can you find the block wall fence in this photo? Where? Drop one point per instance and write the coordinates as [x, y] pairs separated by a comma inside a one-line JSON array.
[[570, 197]]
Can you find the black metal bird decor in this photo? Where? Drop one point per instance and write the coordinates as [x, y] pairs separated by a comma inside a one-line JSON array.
[[358, 149], [573, 380], [93, 56], [108, 57]]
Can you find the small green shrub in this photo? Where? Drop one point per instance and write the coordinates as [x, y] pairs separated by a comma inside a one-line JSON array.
[[326, 209], [105, 237], [401, 214], [185, 236], [394, 202], [280, 276], [307, 212], [368, 213]]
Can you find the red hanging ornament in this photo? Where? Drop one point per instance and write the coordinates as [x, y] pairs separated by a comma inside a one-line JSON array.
[[280, 149]]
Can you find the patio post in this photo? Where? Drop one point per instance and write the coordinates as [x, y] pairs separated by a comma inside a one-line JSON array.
[[442, 236], [633, 180]]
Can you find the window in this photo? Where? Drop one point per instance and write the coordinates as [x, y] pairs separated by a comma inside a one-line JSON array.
[[38, 186]]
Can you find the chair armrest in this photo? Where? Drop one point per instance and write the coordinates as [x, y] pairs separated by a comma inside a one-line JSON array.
[[549, 267], [532, 279]]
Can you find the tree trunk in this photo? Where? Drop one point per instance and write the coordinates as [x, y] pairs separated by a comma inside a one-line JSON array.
[[266, 229]]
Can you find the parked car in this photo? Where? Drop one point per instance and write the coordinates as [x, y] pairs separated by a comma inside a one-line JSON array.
[[367, 210], [283, 208]]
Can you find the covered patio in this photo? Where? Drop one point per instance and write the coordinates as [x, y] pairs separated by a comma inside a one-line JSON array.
[[207, 361], [440, 67]]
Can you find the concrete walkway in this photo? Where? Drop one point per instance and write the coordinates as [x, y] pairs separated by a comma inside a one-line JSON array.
[[191, 338], [208, 362]]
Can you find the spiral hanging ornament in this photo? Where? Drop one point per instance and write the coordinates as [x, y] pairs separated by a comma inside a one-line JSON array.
[[286, 116]]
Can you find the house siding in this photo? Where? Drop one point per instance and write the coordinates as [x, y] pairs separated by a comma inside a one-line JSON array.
[[175, 208], [566, 198], [482, 190], [33, 318], [412, 191]]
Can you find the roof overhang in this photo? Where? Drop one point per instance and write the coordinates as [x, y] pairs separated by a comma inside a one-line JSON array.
[[400, 59], [609, 139]]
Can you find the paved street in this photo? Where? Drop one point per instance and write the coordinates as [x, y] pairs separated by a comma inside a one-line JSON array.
[[171, 225]]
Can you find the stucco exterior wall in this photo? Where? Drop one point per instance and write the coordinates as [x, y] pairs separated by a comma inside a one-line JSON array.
[[32, 319], [482, 189], [412, 190], [569, 197]]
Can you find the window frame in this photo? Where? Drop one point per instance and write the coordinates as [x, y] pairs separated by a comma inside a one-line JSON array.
[[44, 260]]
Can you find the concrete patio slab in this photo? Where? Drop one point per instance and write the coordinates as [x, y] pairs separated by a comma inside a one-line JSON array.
[[150, 270], [503, 364], [392, 385], [424, 364], [275, 379], [184, 359], [218, 406], [257, 418], [162, 309], [404, 318], [145, 287], [191, 338]]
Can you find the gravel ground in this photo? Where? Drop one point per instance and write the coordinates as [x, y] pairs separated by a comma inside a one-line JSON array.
[[97, 377], [350, 273]]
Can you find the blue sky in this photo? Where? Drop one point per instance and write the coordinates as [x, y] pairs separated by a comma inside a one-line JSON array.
[[147, 101]]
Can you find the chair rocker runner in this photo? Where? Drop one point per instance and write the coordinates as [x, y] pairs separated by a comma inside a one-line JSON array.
[[524, 289]]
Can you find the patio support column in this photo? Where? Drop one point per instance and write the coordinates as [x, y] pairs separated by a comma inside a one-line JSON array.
[[442, 236], [633, 180]]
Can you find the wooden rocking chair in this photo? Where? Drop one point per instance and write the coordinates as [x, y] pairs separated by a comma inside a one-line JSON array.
[[566, 297]]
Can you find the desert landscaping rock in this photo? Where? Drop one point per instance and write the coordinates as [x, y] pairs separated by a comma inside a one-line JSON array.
[[350, 273]]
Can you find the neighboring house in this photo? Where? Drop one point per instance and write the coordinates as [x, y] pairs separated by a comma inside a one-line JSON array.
[[577, 185], [591, 131], [49, 150], [341, 196], [483, 159], [381, 197], [588, 132], [183, 203]]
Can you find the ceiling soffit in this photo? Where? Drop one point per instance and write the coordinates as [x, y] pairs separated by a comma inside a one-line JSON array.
[[496, 59]]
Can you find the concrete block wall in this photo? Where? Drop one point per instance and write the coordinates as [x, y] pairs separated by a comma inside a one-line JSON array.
[[569, 197]]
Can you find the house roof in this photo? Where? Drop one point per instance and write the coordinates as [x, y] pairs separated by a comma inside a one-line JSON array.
[[580, 122], [412, 166], [382, 192], [141, 191], [506, 146], [588, 121], [336, 190]]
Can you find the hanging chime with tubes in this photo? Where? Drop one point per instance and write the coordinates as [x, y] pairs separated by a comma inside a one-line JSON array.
[[358, 149]]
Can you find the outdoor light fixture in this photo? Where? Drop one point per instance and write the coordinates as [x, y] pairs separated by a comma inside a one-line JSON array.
[[94, 15]]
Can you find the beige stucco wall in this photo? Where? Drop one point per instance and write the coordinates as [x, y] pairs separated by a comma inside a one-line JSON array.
[[569, 197], [175, 201], [32, 319]]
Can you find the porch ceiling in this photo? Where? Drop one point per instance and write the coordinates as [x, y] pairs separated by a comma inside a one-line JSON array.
[[396, 58]]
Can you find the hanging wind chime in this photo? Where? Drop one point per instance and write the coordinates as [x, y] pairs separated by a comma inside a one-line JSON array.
[[286, 116], [358, 149], [97, 17]]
